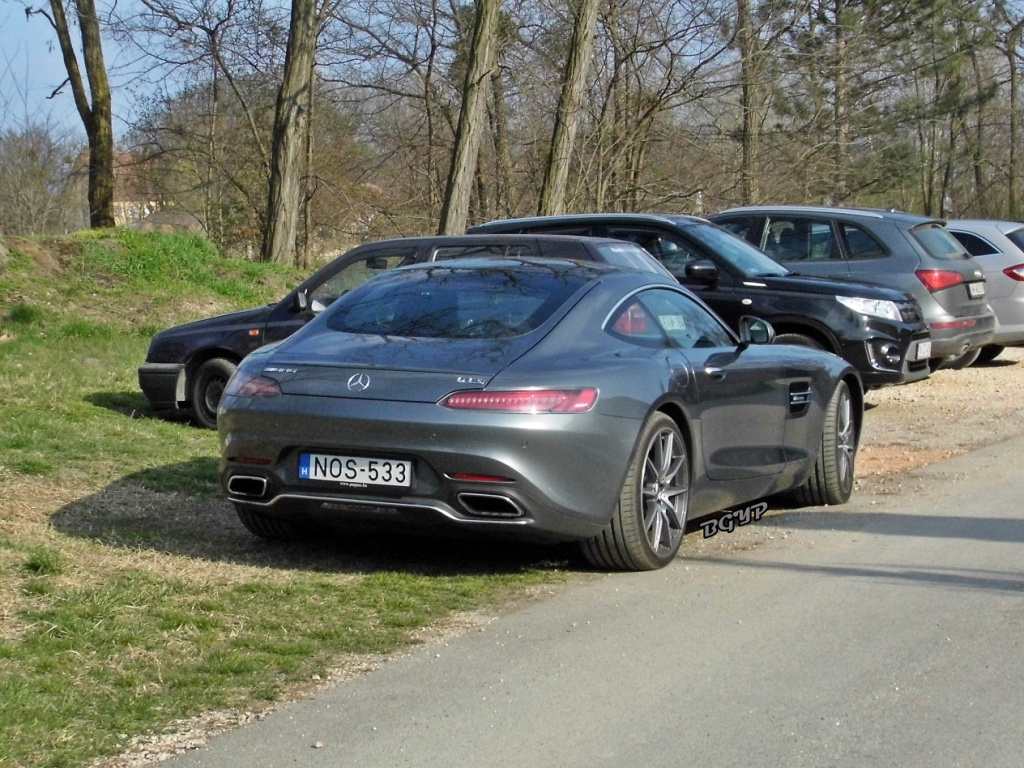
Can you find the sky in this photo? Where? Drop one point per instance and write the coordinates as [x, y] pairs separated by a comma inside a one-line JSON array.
[[31, 68]]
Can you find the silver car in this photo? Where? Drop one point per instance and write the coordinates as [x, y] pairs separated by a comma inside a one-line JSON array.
[[999, 247], [546, 399]]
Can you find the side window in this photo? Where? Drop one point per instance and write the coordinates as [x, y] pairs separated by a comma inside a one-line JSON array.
[[673, 252], [861, 244], [747, 227], [499, 250], [796, 239], [974, 244], [358, 272], [659, 317]]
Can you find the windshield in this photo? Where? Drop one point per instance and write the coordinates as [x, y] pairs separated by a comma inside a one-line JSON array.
[[737, 252], [493, 302], [629, 255]]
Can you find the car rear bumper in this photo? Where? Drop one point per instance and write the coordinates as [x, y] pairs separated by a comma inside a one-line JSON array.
[[955, 336], [163, 384]]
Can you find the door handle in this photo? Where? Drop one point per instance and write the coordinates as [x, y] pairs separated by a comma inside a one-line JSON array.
[[715, 373]]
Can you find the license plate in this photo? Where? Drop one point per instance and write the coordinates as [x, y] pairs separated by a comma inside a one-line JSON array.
[[975, 290], [923, 351], [355, 469]]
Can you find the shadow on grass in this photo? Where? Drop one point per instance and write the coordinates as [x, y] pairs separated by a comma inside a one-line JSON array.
[[142, 511], [134, 405]]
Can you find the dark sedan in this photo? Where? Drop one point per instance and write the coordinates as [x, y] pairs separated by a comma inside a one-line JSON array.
[[539, 398], [879, 330], [188, 365]]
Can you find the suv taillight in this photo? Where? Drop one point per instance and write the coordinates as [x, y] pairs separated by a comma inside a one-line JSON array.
[[938, 279]]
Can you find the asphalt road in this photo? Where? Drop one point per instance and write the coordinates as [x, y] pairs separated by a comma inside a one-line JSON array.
[[886, 632]]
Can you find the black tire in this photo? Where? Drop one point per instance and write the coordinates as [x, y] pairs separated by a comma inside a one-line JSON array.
[[647, 528], [959, 362], [266, 527], [208, 388], [799, 340], [832, 479], [989, 353]]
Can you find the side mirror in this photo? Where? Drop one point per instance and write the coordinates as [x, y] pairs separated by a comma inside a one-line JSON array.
[[377, 263], [754, 330], [702, 271]]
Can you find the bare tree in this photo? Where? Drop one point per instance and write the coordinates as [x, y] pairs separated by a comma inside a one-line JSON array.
[[94, 107], [455, 209], [581, 49]]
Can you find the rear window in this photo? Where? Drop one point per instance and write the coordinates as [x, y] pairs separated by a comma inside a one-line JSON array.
[[937, 242], [1017, 238], [493, 302]]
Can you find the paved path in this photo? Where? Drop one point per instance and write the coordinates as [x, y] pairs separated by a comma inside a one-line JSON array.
[[886, 632]]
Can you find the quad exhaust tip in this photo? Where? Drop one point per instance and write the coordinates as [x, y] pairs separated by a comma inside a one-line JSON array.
[[490, 505], [249, 486]]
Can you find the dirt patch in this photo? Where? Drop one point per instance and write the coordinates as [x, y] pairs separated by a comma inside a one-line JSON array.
[[48, 262]]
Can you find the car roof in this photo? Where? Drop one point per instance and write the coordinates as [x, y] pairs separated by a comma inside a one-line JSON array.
[[909, 219], [584, 218], [970, 224]]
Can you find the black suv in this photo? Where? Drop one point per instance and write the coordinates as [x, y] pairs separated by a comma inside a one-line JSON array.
[[902, 250], [187, 366], [878, 330]]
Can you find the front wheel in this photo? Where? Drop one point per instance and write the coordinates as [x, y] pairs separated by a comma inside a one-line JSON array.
[[799, 340], [650, 519], [208, 388], [832, 479]]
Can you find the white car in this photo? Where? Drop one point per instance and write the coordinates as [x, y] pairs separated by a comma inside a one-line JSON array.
[[999, 247]]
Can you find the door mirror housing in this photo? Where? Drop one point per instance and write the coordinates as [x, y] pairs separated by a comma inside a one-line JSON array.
[[755, 330], [702, 271]]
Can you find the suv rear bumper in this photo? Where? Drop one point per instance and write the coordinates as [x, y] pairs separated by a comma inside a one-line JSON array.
[[957, 340]]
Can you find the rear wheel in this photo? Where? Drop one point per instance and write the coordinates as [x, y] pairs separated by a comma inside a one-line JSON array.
[[832, 479], [989, 353], [650, 519], [269, 528], [208, 388], [958, 362], [798, 339]]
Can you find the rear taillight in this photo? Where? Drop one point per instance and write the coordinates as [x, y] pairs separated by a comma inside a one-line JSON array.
[[524, 400], [938, 279], [243, 385], [1015, 273]]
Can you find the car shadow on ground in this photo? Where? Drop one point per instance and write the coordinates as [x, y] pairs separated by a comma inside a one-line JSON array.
[[134, 405], [137, 512]]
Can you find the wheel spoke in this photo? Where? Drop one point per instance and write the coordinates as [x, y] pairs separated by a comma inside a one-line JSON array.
[[664, 488]]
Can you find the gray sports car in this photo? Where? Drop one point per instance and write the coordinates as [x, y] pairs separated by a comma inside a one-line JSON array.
[[541, 398]]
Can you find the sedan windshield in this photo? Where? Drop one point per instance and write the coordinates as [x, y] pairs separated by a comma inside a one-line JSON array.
[[738, 252], [492, 302]]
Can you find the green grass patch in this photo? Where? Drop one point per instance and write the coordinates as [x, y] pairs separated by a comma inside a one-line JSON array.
[[141, 600]]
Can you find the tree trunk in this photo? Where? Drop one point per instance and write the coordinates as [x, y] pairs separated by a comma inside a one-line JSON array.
[[455, 209], [284, 200], [581, 50], [97, 116], [746, 38]]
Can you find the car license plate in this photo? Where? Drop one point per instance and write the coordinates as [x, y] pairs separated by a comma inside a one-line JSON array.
[[355, 469], [923, 351], [976, 290]]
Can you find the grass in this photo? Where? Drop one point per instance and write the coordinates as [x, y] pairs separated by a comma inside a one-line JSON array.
[[130, 596]]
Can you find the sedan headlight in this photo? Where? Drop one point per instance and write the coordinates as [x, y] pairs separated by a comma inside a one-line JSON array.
[[871, 307]]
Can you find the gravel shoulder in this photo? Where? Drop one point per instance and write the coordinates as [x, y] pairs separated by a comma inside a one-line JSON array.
[[947, 414]]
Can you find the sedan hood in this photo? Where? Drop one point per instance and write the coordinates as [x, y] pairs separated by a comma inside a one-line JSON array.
[[332, 364], [256, 317]]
